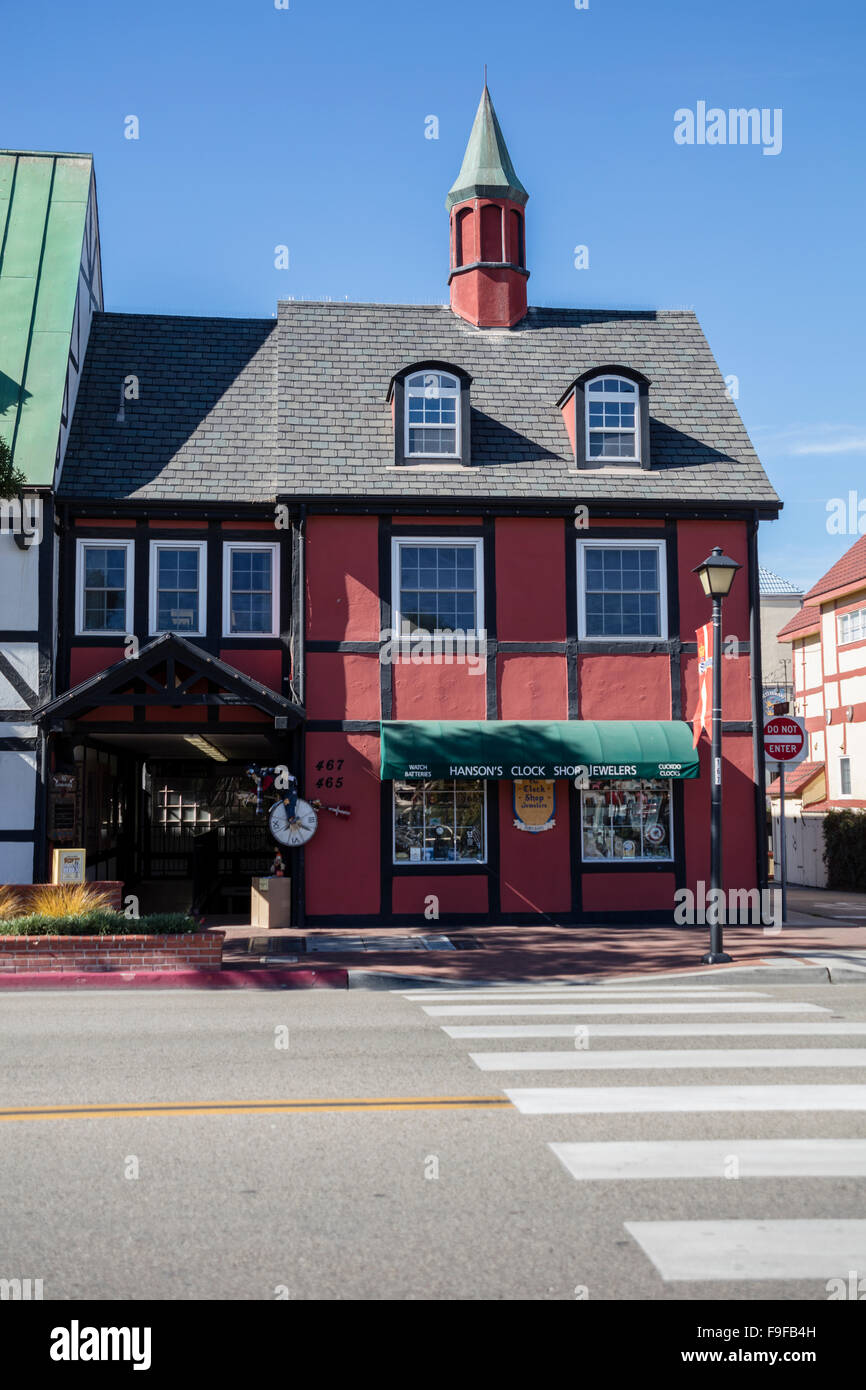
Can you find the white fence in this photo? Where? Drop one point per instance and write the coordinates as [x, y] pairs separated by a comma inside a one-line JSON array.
[[805, 846]]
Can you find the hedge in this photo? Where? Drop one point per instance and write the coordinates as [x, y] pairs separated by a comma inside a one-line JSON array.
[[845, 850], [101, 922]]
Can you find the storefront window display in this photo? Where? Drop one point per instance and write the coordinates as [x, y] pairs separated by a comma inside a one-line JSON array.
[[440, 822], [626, 820]]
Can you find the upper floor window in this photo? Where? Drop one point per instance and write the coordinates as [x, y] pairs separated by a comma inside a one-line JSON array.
[[852, 626], [621, 589], [250, 581], [104, 587], [437, 585], [612, 419], [177, 587], [845, 776], [606, 414], [432, 414]]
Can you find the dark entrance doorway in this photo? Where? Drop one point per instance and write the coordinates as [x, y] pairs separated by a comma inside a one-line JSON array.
[[161, 745]]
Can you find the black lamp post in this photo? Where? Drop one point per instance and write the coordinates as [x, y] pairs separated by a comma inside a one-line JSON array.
[[716, 575]]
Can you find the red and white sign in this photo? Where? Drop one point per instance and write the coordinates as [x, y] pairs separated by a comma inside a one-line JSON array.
[[785, 739], [702, 718]]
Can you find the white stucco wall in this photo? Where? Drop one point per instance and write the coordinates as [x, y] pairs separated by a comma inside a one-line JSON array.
[[17, 789]]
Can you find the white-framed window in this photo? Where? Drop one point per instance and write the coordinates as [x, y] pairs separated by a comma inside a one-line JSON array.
[[852, 626], [103, 585], [437, 584], [432, 415], [612, 419], [176, 807], [251, 578], [442, 822], [844, 776], [622, 589], [626, 821], [178, 587]]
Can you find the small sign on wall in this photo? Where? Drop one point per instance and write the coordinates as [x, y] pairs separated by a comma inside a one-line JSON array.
[[534, 805], [67, 866], [64, 808]]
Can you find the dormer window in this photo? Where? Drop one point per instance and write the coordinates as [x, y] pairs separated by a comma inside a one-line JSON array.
[[612, 424], [606, 414], [432, 415]]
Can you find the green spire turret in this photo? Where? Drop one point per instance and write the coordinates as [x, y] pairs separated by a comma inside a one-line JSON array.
[[487, 171]]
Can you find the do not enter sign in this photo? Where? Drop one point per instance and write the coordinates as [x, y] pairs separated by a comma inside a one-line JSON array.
[[785, 739]]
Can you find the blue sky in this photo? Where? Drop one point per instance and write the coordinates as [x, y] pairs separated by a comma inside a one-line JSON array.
[[305, 127]]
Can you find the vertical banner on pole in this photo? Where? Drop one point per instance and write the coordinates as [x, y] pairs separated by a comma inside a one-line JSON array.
[[702, 718]]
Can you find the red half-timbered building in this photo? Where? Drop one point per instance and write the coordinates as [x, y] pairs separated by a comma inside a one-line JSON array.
[[436, 560]]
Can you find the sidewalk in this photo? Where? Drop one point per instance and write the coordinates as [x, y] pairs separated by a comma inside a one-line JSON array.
[[549, 953]]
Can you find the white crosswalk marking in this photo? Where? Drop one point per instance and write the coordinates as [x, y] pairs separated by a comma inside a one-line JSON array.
[[527, 1010], [575, 995], [668, 1059], [712, 1158], [752, 1029], [646, 1100], [682, 1250], [685, 1250]]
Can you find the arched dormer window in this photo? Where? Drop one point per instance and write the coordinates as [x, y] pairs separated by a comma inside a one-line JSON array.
[[612, 419], [431, 414], [606, 413]]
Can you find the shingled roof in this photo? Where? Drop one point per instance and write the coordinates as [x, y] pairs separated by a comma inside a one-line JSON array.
[[238, 409], [804, 621], [848, 573]]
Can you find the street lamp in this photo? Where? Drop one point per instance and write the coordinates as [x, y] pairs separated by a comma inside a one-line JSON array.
[[716, 575]]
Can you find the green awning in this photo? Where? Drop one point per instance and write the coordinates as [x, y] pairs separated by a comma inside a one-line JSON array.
[[518, 748]]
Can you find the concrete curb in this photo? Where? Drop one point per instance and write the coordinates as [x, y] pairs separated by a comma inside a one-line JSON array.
[[326, 977], [733, 975]]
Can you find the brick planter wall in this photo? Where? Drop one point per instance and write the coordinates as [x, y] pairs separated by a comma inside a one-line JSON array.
[[191, 951], [113, 887]]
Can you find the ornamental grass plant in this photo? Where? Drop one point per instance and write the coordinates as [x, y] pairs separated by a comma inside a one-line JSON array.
[[67, 899]]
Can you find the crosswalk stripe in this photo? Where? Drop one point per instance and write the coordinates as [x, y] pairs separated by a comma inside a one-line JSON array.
[[801, 1249], [527, 1010], [590, 995], [643, 1100], [752, 1028], [712, 1158], [671, 1059]]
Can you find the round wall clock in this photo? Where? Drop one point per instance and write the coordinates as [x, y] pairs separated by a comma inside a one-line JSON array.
[[296, 829]]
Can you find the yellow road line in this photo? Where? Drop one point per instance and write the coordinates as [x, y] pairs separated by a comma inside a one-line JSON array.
[[256, 1107]]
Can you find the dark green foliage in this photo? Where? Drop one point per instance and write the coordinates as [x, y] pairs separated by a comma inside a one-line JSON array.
[[11, 479], [99, 923], [845, 850]]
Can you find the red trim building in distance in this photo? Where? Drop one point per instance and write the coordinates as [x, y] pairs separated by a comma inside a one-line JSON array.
[[828, 646]]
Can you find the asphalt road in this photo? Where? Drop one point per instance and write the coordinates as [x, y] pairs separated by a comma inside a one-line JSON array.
[[465, 1200]]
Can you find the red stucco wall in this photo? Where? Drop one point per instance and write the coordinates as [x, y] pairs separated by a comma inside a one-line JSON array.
[[263, 665], [456, 893], [530, 580], [342, 859], [342, 578], [342, 685], [438, 692], [532, 687], [536, 874], [628, 892], [86, 661], [624, 687]]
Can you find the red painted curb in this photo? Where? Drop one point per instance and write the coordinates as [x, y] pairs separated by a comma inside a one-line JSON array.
[[326, 978]]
